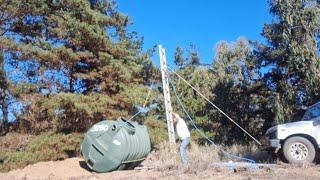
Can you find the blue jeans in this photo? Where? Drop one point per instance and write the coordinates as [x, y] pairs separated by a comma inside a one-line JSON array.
[[183, 150]]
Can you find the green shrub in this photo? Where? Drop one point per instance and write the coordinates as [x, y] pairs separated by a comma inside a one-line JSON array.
[[44, 147], [67, 112], [157, 132]]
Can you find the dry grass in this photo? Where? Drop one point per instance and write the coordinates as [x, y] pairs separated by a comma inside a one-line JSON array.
[[20, 150], [14, 142], [201, 158], [251, 152]]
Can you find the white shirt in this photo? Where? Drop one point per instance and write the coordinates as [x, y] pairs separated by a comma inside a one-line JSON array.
[[182, 129]]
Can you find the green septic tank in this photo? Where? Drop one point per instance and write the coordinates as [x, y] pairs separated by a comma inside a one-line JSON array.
[[115, 145]]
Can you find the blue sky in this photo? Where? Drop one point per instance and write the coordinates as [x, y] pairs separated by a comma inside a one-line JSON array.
[[200, 22]]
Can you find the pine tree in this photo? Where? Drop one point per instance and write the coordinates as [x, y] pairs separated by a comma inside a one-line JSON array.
[[194, 56], [291, 56], [179, 60], [70, 52]]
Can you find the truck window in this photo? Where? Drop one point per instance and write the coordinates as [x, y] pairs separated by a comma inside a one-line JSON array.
[[312, 112]]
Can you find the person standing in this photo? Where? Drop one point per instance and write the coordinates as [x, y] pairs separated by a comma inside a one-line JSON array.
[[183, 134]]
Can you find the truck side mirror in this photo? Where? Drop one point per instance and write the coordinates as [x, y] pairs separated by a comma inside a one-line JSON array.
[[316, 121]]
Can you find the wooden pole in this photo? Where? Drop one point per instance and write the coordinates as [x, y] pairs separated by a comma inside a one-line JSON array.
[[167, 98]]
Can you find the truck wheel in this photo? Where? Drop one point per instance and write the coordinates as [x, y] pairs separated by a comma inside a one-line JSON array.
[[298, 150]]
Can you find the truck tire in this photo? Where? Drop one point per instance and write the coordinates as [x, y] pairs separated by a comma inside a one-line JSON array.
[[298, 150]]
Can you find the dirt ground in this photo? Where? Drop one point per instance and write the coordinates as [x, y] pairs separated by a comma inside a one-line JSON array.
[[75, 168]]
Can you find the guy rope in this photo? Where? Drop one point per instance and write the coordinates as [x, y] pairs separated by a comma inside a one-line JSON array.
[[215, 106]]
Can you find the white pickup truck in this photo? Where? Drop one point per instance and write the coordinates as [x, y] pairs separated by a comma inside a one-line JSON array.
[[298, 141]]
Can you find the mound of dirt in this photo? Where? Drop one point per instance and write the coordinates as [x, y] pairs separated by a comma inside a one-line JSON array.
[[53, 169], [75, 168]]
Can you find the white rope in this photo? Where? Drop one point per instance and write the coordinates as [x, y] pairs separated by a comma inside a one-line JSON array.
[[222, 112], [225, 153], [147, 98], [144, 105]]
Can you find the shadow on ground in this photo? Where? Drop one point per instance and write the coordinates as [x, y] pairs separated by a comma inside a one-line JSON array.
[[84, 165]]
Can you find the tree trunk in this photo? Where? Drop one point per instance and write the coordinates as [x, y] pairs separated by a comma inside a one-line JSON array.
[[3, 97], [71, 79], [5, 120]]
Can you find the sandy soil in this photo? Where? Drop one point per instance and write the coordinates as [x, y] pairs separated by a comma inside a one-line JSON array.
[[75, 168]]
